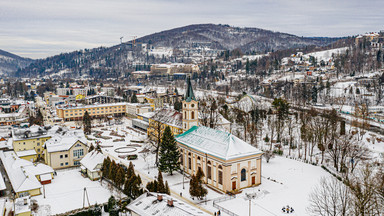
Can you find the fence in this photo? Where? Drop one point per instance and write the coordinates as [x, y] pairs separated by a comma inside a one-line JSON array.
[[222, 199]]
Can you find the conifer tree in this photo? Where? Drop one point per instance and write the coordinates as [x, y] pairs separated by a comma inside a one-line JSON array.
[[112, 171], [120, 176], [196, 188], [160, 183], [87, 123], [167, 190], [134, 99], [91, 148], [169, 153], [106, 165], [131, 170]]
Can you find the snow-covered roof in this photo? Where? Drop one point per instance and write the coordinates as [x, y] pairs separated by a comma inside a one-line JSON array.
[[36, 131], [147, 114], [72, 106], [63, 142], [22, 205], [22, 173], [91, 160], [26, 153], [217, 143], [148, 205], [46, 177], [169, 117]]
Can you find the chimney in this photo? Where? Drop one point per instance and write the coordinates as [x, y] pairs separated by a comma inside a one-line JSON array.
[[170, 202], [159, 197]]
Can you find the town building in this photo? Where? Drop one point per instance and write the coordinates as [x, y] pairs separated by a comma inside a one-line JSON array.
[[228, 163], [76, 112], [65, 150], [19, 116], [32, 138]]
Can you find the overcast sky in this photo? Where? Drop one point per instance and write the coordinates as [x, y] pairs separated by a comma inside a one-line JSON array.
[[41, 28]]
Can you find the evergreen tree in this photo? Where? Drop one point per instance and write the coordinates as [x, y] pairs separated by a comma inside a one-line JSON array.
[[134, 99], [131, 170], [178, 105], [167, 190], [106, 165], [160, 183], [169, 153], [176, 91], [87, 123], [247, 66], [357, 91], [112, 171], [196, 188], [120, 176], [91, 148], [314, 94]]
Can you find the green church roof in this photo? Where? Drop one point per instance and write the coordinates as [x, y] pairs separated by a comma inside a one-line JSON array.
[[189, 96]]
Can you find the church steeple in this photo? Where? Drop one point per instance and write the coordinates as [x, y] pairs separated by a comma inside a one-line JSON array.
[[190, 108], [189, 96]]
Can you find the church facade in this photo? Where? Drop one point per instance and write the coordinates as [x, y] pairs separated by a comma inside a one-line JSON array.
[[228, 163]]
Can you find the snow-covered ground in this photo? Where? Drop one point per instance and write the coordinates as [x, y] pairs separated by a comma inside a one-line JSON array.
[[284, 182], [66, 192]]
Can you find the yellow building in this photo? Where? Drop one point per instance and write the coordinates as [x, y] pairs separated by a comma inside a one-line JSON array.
[[76, 113], [163, 118], [63, 151], [32, 138], [228, 163], [29, 155]]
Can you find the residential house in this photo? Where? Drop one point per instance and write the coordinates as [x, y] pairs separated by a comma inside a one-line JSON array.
[[91, 165], [65, 150]]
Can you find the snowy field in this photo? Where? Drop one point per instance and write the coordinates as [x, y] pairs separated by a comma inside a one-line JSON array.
[[284, 182], [66, 191]]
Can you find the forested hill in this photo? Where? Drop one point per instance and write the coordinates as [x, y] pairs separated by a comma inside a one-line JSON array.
[[228, 38], [10, 63], [118, 60]]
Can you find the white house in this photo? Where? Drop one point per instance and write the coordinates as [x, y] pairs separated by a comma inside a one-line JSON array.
[[91, 164]]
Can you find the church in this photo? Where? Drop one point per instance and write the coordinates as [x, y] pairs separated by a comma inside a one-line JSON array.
[[228, 163]]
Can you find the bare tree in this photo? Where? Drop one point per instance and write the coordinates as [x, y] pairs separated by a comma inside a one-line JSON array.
[[330, 198], [363, 189], [155, 133]]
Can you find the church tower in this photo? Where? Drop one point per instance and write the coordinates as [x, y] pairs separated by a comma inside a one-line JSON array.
[[190, 108]]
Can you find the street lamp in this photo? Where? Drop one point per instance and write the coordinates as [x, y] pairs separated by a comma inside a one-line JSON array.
[[249, 197]]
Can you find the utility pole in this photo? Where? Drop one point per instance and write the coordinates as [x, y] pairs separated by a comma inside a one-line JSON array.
[[85, 193]]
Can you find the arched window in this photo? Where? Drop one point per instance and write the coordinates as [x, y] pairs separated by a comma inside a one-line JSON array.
[[185, 114], [198, 157], [243, 175], [189, 163], [193, 115], [209, 170], [220, 177]]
